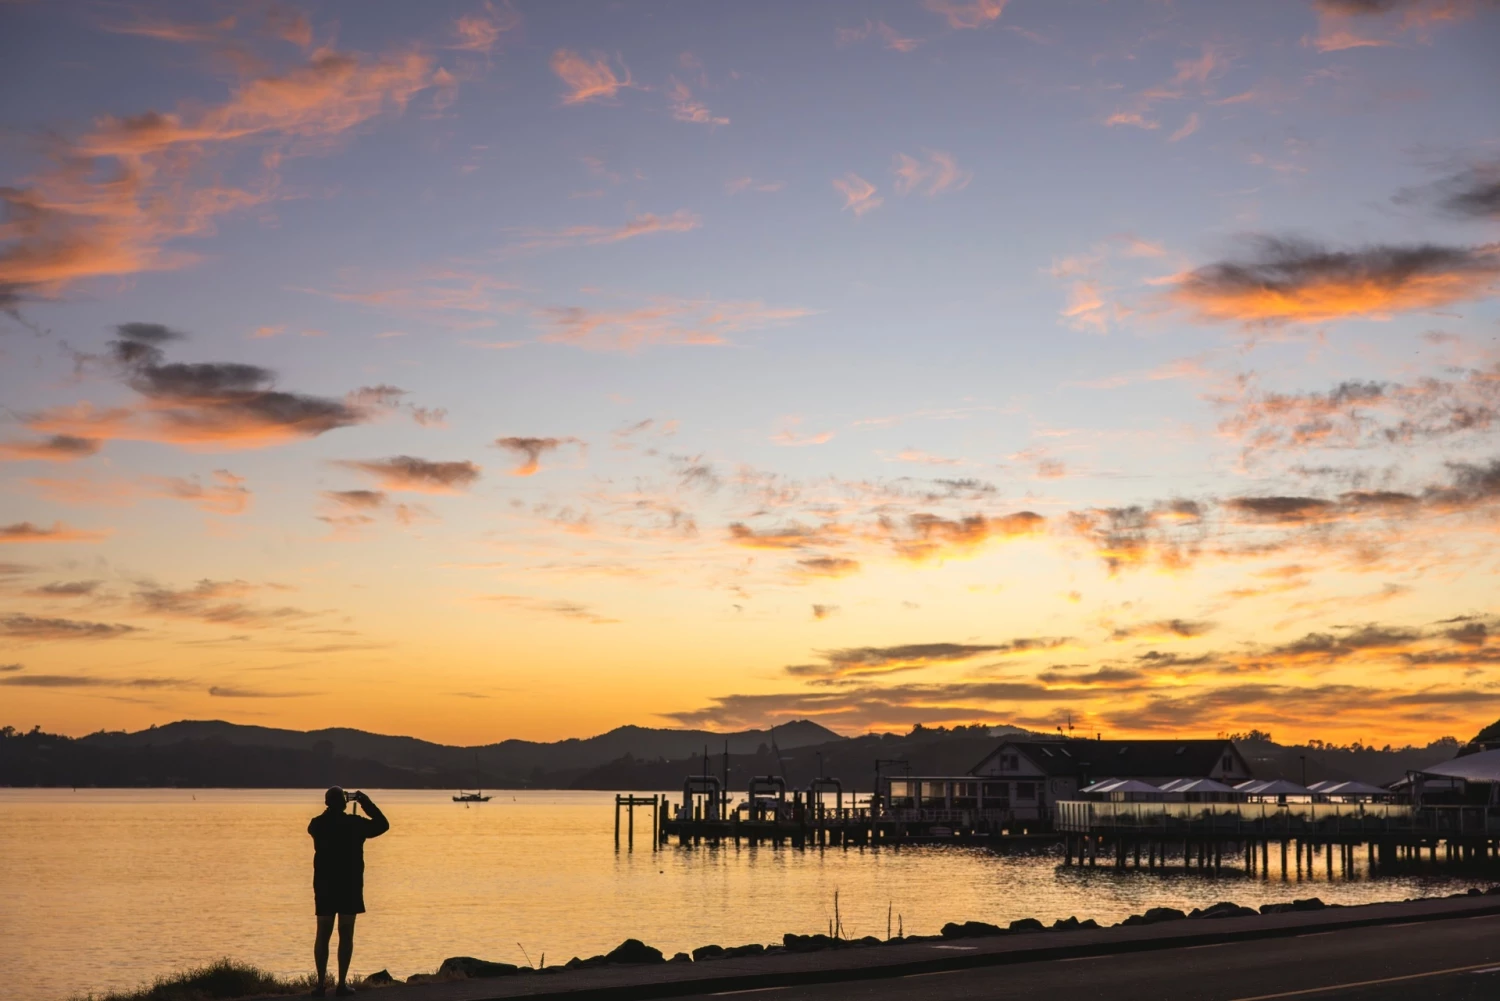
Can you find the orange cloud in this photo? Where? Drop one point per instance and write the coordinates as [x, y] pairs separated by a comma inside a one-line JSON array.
[[890, 37], [588, 79], [681, 221], [920, 537], [790, 536], [962, 14], [827, 566], [25, 531], [859, 194], [1288, 281], [1134, 118], [1188, 128], [117, 195], [1347, 24]]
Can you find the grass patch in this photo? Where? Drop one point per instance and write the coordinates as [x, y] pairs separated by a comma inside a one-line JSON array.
[[218, 981]]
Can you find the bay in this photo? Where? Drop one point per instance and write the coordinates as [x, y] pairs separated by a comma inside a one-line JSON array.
[[104, 888]]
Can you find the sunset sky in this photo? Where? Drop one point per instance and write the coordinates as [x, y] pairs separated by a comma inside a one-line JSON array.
[[486, 370]]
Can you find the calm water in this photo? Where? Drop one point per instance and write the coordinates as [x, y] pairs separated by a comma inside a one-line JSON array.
[[103, 889]]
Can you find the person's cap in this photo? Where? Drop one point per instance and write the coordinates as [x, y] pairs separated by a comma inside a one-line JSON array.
[[334, 798]]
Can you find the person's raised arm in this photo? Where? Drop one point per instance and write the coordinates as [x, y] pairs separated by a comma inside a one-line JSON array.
[[378, 825]]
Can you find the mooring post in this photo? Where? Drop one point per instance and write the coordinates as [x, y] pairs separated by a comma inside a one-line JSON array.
[[617, 820]]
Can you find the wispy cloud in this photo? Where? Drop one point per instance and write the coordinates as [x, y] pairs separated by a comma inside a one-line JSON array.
[[889, 37], [57, 448], [645, 224], [1189, 126], [36, 629], [25, 531], [740, 185], [685, 108], [666, 321], [549, 606], [933, 176], [589, 79], [961, 14], [859, 194], [480, 30]]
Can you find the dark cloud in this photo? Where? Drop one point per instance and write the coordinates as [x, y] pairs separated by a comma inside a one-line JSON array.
[[1474, 194], [1289, 280], [1182, 628], [531, 450], [1329, 646], [66, 589], [1168, 531], [25, 531], [923, 536], [410, 474], [791, 536], [232, 692], [55, 448], [30, 627], [911, 656], [828, 566], [1280, 509], [1103, 677], [359, 499], [87, 681], [9, 668], [216, 602], [821, 612]]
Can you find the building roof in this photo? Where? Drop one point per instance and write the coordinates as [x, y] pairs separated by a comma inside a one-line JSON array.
[[1481, 767], [1337, 787], [1120, 758], [1196, 785], [1121, 786], [1273, 787]]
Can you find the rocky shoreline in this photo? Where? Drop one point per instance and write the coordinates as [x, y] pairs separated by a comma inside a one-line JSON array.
[[633, 952]]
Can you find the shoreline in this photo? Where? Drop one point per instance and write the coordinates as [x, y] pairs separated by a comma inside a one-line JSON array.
[[637, 970]]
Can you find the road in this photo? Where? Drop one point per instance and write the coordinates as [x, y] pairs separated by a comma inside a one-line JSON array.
[[1452, 960]]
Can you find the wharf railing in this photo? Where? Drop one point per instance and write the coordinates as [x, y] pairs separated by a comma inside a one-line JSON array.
[[1273, 819]]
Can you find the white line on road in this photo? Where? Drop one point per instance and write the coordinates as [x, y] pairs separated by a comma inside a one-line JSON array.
[[753, 990], [1476, 968]]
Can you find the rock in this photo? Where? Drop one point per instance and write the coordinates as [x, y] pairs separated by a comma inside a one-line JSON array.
[[866, 942], [1310, 904], [1065, 924], [1275, 908], [708, 952], [1157, 915], [807, 943], [1492, 891], [424, 978], [1088, 923], [1132, 921], [468, 966], [380, 978], [584, 964], [680, 957], [1224, 909], [634, 952], [753, 949], [773, 948], [972, 929], [1027, 924]]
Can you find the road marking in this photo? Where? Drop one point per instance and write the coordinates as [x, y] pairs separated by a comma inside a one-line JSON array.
[[753, 990], [1211, 945], [1476, 968], [1316, 934], [934, 973], [1079, 959], [1489, 969], [1405, 924], [958, 948]]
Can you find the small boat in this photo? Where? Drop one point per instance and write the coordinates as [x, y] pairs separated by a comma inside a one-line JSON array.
[[477, 796]]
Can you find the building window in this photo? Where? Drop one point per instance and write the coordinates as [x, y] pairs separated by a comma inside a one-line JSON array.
[[1009, 763], [1026, 791]]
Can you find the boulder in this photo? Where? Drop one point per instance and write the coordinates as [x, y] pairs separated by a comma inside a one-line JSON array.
[[1157, 915], [1088, 923], [1310, 904], [708, 952], [380, 978], [584, 964], [468, 966], [1027, 924], [634, 952], [972, 929], [807, 943], [1223, 909], [866, 942], [735, 951], [680, 957], [1275, 908], [1065, 924]]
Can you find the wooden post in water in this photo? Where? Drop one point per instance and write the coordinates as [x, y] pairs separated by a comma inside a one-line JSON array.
[[617, 820]]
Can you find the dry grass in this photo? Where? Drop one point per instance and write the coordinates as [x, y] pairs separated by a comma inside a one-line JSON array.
[[220, 981]]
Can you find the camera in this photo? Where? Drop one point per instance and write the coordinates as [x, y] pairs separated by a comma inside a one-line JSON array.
[[350, 797]]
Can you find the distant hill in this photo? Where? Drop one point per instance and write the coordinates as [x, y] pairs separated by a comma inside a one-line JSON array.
[[508, 763], [1379, 766]]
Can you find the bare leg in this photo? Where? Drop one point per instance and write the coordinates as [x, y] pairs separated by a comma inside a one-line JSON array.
[[320, 948], [346, 945]]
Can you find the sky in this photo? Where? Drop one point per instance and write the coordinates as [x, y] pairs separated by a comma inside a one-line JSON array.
[[481, 370]]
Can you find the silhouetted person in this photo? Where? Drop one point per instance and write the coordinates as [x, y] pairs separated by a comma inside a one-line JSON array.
[[339, 876]]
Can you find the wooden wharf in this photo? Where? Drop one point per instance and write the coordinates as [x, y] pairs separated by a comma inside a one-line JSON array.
[[1213, 834]]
